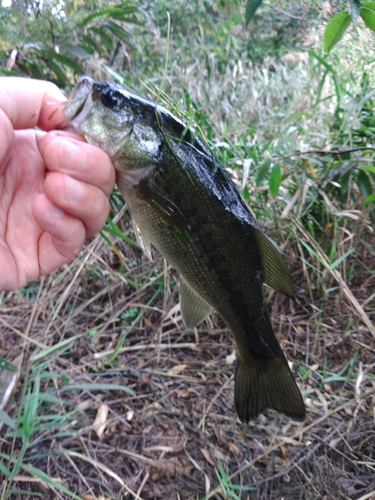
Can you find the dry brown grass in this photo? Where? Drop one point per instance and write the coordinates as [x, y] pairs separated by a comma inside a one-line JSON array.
[[169, 439]]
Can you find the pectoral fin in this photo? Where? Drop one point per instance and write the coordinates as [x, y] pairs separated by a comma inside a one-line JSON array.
[[168, 211], [193, 308], [142, 240], [275, 272]]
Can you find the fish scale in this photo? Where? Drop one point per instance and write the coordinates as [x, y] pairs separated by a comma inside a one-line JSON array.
[[212, 268], [185, 205]]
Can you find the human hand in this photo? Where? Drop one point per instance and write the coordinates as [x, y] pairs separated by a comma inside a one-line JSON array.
[[53, 185]]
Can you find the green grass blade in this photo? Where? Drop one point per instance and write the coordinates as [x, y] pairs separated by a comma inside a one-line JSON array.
[[4, 417], [7, 366], [33, 471], [338, 261], [57, 347]]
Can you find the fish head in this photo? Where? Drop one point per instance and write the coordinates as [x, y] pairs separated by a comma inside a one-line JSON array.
[[122, 124]]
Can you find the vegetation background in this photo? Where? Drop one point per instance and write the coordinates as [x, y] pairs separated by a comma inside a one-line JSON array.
[[113, 399]]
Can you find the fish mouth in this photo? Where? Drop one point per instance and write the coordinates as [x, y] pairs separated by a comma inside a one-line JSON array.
[[79, 97], [79, 109], [80, 112]]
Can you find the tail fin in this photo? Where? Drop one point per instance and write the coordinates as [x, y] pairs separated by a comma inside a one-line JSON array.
[[266, 384]]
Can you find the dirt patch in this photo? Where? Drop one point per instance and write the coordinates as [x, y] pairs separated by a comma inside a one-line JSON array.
[[173, 435]]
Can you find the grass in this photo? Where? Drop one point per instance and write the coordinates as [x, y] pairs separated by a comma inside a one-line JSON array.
[[157, 430], [104, 333]]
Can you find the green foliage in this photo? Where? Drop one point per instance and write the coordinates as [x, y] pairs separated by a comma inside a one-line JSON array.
[[9, 367], [121, 12], [251, 7], [41, 413], [335, 29], [55, 44], [229, 489], [338, 25], [114, 35], [368, 14], [275, 179]]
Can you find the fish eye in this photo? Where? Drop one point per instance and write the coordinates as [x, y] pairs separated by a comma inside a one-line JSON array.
[[111, 98]]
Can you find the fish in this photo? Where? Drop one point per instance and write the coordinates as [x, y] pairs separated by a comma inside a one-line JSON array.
[[184, 204]]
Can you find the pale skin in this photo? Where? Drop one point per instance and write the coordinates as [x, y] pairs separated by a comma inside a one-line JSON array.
[[54, 187]]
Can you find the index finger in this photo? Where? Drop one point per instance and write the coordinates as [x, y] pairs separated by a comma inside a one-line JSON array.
[[31, 103]]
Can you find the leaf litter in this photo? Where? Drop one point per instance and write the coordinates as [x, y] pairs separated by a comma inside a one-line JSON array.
[[173, 435]]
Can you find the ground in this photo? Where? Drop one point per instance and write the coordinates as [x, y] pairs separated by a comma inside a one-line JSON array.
[[130, 405]]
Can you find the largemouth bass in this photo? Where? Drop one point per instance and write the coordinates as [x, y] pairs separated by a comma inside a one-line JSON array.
[[185, 205]]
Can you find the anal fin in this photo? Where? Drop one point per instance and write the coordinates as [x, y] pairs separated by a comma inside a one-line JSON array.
[[193, 308]]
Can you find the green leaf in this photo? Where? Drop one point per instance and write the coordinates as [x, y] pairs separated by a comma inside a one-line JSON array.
[[8, 73], [76, 50], [61, 76], [49, 351], [245, 193], [106, 39], [368, 5], [88, 40], [368, 200], [128, 10], [117, 31], [368, 16], [370, 168], [66, 61], [112, 11], [251, 8], [262, 171], [364, 183], [116, 76], [7, 366], [335, 30], [31, 410], [35, 70], [112, 229], [87, 48], [323, 62], [129, 20], [4, 417], [33, 471], [341, 259], [5, 469], [355, 7], [275, 179]]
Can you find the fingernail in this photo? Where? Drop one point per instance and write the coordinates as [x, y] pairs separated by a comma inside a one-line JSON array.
[[74, 189], [55, 210]]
